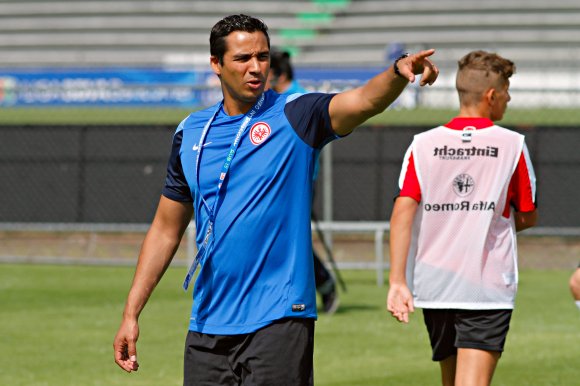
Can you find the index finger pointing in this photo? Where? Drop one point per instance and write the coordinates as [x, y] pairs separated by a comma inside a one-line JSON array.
[[426, 53]]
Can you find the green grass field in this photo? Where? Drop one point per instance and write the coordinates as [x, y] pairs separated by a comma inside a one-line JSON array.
[[404, 117], [58, 322]]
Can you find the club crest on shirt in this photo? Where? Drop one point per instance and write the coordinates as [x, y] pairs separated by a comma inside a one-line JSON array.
[[463, 185], [259, 132]]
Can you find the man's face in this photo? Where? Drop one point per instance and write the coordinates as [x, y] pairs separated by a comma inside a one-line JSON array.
[[499, 106], [244, 70]]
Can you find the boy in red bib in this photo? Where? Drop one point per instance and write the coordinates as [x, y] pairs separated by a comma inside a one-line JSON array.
[[466, 188]]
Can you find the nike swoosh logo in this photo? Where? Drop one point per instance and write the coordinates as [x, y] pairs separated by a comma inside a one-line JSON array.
[[196, 146]]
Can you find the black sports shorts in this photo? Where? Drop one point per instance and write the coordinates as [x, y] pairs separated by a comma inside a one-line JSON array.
[[279, 354], [478, 329]]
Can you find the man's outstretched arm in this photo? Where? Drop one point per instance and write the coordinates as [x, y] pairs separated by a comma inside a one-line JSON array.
[[351, 108]]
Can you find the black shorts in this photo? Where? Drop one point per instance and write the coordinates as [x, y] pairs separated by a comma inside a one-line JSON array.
[[278, 354], [478, 329]]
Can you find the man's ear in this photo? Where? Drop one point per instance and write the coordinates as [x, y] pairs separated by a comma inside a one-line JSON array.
[[490, 96], [215, 65]]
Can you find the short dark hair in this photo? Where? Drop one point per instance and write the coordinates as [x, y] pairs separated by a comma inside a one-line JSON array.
[[229, 24], [280, 64]]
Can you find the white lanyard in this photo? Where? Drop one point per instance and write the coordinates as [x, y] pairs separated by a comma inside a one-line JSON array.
[[206, 247]]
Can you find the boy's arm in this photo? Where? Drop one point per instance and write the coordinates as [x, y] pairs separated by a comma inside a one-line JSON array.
[[523, 192], [525, 220], [400, 299]]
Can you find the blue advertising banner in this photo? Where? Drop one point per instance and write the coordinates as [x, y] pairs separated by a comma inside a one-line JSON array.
[[115, 86], [144, 86], [334, 79]]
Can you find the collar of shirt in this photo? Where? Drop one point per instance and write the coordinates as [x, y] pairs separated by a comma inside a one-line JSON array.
[[460, 122]]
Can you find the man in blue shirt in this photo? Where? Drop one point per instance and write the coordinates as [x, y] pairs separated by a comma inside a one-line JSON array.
[[245, 168]]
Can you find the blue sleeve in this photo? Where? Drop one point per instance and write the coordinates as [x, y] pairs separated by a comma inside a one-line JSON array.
[[176, 187], [308, 115]]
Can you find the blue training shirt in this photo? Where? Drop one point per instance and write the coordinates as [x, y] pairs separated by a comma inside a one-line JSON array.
[[260, 269]]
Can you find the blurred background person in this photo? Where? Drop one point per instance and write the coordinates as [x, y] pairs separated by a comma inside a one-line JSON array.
[[281, 77]]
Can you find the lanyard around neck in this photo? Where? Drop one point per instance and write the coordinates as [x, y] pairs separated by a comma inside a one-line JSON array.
[[206, 246], [229, 158]]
